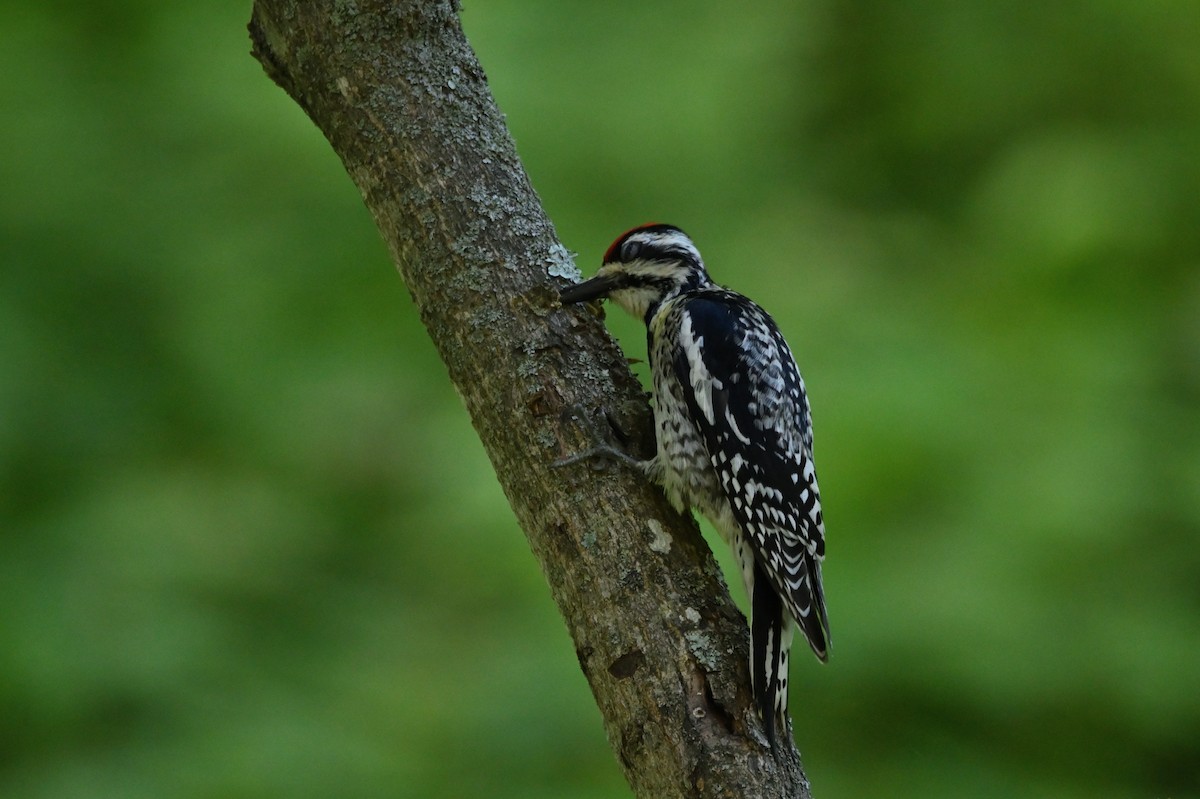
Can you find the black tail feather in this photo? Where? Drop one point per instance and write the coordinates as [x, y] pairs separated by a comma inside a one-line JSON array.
[[815, 625], [768, 655]]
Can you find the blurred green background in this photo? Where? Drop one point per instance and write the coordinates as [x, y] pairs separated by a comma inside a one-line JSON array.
[[250, 545]]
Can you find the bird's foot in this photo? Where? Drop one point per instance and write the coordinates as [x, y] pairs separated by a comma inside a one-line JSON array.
[[610, 439], [601, 452]]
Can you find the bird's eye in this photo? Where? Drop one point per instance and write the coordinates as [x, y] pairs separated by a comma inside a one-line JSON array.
[[630, 250]]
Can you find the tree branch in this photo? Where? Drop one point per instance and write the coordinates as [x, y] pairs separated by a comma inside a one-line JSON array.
[[398, 92]]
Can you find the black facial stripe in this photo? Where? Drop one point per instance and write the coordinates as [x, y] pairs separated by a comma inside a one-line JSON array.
[[637, 281], [667, 255]]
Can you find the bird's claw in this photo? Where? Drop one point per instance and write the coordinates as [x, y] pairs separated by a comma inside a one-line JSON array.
[[603, 451], [599, 432]]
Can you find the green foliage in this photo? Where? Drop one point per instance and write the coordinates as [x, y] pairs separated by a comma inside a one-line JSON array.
[[251, 546]]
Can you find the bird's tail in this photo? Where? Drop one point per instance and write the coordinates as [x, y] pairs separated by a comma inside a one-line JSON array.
[[813, 620], [771, 630]]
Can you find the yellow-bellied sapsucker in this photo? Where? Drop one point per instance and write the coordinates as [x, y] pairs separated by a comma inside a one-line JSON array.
[[734, 438]]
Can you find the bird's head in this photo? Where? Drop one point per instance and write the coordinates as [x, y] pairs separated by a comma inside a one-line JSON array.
[[643, 267]]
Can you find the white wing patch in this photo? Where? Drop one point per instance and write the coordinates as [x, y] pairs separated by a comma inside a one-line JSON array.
[[733, 425], [702, 380]]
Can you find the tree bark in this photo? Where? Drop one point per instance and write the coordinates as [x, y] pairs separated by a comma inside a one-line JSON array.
[[397, 90]]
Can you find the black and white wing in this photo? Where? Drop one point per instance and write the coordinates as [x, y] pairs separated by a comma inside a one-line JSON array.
[[747, 399]]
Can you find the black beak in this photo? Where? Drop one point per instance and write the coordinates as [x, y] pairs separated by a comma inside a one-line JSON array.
[[594, 289]]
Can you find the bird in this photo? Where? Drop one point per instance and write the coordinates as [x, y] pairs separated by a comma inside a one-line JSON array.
[[733, 436]]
